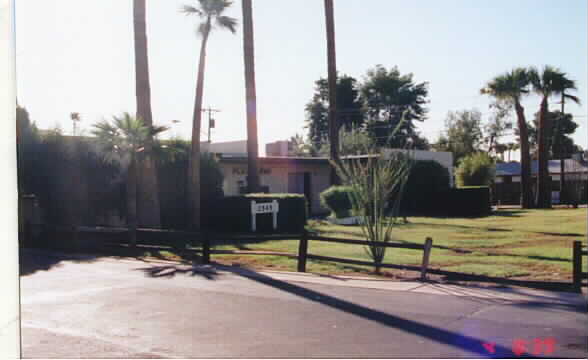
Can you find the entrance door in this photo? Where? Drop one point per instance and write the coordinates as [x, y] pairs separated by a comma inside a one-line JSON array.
[[299, 183]]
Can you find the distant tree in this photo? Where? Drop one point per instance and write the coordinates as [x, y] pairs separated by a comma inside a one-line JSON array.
[[387, 95], [356, 141], [547, 82], [475, 169], [302, 148], [348, 102], [497, 127], [510, 88], [463, 134], [123, 141], [558, 141]]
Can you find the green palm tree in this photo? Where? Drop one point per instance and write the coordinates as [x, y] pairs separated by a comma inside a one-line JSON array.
[[148, 196], [567, 85], [510, 88], [123, 142], [211, 12], [547, 82]]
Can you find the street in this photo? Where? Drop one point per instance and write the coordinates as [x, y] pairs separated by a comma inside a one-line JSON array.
[[106, 307]]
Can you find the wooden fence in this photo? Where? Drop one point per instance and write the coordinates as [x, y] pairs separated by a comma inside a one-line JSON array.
[[206, 241], [579, 275]]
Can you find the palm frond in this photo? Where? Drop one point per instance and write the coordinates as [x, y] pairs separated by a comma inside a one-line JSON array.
[[191, 10], [573, 98], [227, 22]]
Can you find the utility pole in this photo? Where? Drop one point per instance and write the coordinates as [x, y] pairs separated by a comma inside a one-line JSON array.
[[210, 119]]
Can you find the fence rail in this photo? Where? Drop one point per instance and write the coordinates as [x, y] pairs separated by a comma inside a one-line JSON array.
[[303, 254], [205, 240]]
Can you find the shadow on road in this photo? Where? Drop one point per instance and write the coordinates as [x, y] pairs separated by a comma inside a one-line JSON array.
[[172, 270], [460, 341], [442, 336], [32, 260]]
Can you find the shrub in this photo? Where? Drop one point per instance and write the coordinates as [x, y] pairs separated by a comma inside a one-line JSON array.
[[337, 199], [426, 181], [372, 183], [475, 170], [233, 214]]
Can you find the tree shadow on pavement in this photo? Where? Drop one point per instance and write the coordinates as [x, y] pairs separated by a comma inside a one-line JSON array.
[[442, 336], [33, 260], [172, 270]]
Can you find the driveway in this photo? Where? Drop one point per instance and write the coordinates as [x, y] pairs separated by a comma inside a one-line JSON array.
[[106, 307]]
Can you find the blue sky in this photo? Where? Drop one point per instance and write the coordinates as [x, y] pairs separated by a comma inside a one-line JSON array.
[[77, 55]]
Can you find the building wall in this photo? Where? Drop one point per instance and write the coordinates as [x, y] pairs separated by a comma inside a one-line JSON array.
[[226, 147], [276, 178]]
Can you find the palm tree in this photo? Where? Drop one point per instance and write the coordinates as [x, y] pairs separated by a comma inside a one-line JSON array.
[[566, 85], [548, 82], [148, 194], [250, 96], [211, 12], [123, 141], [511, 87], [332, 79]]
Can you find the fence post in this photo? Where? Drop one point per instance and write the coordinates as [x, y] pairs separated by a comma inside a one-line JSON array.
[[302, 251], [577, 276], [205, 248], [426, 255]]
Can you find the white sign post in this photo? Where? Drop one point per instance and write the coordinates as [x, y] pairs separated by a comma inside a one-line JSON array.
[[264, 208]]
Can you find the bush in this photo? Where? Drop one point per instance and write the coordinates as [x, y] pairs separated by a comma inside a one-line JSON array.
[[475, 170], [233, 214], [337, 199], [427, 180]]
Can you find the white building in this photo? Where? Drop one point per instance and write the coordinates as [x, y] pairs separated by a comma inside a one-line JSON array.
[[280, 173]]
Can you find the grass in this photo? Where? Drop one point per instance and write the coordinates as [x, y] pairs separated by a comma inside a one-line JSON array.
[[513, 243]]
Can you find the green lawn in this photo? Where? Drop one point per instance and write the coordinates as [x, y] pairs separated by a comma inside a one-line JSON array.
[[529, 244]]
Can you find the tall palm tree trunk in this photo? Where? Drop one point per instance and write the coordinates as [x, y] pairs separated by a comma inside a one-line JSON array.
[[526, 194], [132, 202], [250, 95], [148, 213], [543, 193], [562, 168], [194, 166], [332, 79]]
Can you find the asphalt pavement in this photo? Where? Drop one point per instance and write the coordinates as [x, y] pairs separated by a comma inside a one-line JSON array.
[[104, 307]]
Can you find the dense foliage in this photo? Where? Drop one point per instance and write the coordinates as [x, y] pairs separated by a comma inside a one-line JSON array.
[[376, 104], [427, 179], [337, 199], [71, 178], [476, 169]]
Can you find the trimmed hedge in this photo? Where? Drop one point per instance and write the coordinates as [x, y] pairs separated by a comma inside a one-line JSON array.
[[467, 201], [337, 199], [232, 214], [428, 179]]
